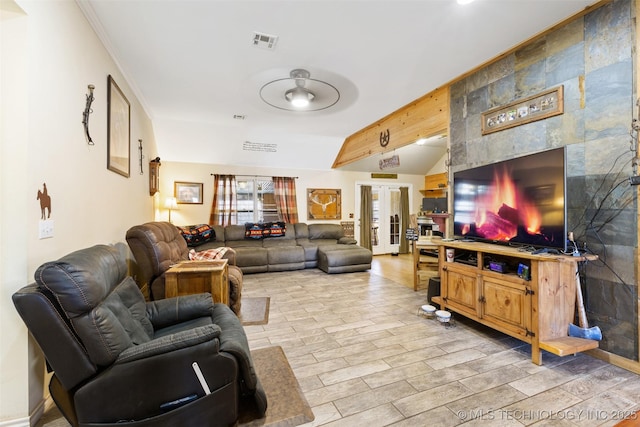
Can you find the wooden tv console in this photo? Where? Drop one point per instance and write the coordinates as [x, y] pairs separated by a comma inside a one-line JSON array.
[[537, 311]]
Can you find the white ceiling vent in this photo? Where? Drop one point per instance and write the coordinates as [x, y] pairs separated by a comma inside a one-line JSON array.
[[264, 41]]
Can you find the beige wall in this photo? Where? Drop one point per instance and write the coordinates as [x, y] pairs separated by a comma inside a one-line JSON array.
[[199, 172], [52, 56], [49, 56], [16, 356]]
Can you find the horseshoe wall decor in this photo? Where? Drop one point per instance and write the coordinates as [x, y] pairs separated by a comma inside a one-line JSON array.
[[385, 138]]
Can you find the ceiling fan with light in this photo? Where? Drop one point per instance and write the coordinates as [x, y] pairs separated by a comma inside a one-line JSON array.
[[307, 94], [299, 96]]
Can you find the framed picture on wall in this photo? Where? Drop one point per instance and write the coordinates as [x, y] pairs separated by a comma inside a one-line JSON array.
[[324, 203], [188, 192], [118, 129], [526, 110]]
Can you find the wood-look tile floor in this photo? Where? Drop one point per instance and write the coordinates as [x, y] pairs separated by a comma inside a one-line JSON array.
[[363, 356]]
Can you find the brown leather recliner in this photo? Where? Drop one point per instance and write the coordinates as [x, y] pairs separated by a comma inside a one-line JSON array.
[[121, 361], [158, 245]]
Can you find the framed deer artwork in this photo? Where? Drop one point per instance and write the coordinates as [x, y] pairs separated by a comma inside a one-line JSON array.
[[324, 203]]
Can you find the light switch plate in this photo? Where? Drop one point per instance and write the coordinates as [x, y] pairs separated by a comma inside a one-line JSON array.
[[45, 230]]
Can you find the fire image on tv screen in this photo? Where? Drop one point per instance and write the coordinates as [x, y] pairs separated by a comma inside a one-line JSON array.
[[518, 201]]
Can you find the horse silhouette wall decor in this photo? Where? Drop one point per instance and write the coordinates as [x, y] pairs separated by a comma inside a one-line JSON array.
[[45, 202]]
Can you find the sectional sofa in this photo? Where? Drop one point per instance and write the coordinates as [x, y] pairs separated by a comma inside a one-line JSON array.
[[292, 247]]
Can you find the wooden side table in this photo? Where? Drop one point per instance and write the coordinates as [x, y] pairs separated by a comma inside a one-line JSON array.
[[194, 277], [424, 265]]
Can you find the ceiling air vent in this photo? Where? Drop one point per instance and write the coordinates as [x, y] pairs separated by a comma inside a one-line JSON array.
[[264, 41]]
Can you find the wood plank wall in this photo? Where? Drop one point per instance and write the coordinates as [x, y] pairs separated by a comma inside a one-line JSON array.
[[424, 117]]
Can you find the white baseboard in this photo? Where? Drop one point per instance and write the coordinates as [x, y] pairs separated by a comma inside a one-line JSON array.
[[21, 422], [31, 419]]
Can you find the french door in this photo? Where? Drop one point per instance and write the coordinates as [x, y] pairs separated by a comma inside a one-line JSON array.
[[386, 217]]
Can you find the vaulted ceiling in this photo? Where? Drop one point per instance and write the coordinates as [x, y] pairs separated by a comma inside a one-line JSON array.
[[195, 68]]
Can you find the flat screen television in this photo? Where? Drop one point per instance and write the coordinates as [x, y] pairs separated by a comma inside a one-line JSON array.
[[520, 201]]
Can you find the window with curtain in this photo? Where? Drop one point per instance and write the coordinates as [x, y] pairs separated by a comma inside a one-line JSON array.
[[256, 200], [241, 199], [224, 208], [285, 198]]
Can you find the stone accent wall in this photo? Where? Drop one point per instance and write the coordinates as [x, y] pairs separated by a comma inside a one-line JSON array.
[[593, 58]]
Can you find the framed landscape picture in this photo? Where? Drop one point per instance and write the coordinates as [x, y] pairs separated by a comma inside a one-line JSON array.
[[188, 192]]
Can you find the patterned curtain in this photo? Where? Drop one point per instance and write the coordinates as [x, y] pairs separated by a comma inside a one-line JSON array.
[[284, 190], [224, 209], [366, 212], [404, 219]]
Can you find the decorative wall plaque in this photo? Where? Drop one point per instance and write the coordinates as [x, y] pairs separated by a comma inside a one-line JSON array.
[[390, 162], [526, 110], [324, 203]]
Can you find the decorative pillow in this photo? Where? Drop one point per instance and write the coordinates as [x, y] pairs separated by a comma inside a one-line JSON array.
[[253, 231], [196, 235], [274, 229]]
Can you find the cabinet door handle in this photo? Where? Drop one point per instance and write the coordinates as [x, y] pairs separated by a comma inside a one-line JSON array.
[[482, 299]]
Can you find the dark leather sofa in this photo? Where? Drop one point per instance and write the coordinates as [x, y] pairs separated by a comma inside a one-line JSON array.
[[118, 360]]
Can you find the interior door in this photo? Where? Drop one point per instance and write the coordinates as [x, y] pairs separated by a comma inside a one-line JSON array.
[[386, 218]]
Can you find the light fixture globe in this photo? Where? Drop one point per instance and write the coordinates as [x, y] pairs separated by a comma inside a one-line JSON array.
[[307, 94], [299, 97]]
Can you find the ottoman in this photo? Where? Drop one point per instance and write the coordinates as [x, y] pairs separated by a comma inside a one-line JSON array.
[[346, 259]]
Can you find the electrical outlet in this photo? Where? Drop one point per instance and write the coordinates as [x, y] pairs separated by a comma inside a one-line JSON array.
[[45, 231]]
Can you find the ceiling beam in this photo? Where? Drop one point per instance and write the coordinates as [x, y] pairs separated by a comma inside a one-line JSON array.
[[427, 116]]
